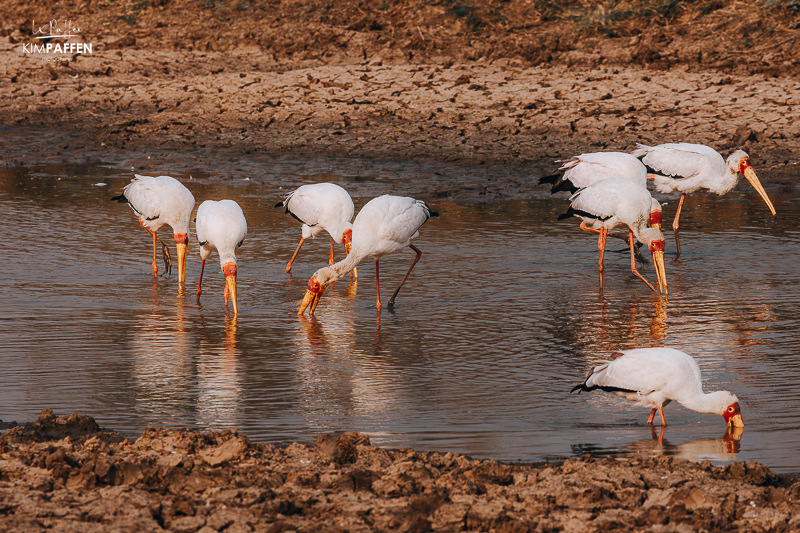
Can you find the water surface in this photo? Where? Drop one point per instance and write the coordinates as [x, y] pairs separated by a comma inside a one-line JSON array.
[[501, 317]]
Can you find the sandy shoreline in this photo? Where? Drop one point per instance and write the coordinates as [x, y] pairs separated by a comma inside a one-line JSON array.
[[67, 474]]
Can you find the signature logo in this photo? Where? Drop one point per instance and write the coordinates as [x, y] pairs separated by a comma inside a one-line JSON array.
[[55, 31], [43, 34]]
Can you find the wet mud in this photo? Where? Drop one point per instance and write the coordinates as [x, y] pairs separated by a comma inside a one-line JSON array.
[[68, 474]]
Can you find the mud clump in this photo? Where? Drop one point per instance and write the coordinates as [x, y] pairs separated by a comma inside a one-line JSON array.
[[179, 480]]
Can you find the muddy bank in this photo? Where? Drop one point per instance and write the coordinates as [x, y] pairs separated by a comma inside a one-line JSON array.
[[221, 113], [69, 474], [166, 92]]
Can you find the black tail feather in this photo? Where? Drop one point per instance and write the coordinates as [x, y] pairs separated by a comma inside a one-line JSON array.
[[551, 179], [280, 204], [121, 199], [563, 185], [570, 212]]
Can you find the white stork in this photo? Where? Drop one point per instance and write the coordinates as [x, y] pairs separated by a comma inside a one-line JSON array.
[[653, 377], [159, 201], [321, 206], [617, 202], [687, 168], [583, 170], [221, 227], [385, 225]]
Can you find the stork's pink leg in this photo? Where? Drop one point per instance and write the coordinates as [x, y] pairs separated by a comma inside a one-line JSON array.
[[377, 284], [155, 248], [601, 244], [633, 262], [289, 266], [652, 416], [416, 258], [199, 283], [675, 223], [330, 261], [661, 414]]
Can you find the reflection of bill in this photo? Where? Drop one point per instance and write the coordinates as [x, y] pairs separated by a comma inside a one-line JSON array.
[[658, 328]]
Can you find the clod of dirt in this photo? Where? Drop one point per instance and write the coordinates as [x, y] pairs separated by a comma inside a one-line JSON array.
[[183, 480]]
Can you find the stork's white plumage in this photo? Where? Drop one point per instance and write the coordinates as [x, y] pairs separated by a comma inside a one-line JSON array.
[[687, 168], [653, 377], [617, 202], [385, 225], [221, 227], [159, 201], [321, 206], [583, 170]]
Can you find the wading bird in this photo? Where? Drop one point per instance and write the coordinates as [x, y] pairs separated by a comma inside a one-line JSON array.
[[583, 170], [653, 377], [617, 202], [321, 206], [385, 225], [159, 201], [687, 168], [221, 227]]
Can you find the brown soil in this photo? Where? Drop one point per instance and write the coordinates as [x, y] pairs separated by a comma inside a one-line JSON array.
[[504, 87], [66, 474]]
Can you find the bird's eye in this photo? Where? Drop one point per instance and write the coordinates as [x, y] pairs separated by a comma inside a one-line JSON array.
[[730, 409]]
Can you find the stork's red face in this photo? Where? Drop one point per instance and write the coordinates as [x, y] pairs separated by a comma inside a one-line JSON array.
[[313, 295], [733, 415], [750, 175], [657, 249], [654, 220], [347, 239]]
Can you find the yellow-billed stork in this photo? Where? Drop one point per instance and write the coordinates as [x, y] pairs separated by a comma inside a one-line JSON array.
[[159, 201], [617, 202], [221, 227], [687, 168], [384, 225], [653, 377], [321, 206]]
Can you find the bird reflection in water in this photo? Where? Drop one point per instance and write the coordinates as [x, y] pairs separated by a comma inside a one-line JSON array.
[[614, 328], [723, 448], [219, 377], [729, 443], [160, 347], [658, 326]]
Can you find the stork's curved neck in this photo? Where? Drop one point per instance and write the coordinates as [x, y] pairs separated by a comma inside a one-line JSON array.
[[645, 234], [343, 267], [728, 180], [713, 402]]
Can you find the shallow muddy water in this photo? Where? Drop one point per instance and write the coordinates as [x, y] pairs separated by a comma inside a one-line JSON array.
[[500, 318]]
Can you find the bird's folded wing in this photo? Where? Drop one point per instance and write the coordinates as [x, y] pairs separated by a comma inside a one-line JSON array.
[[674, 162]]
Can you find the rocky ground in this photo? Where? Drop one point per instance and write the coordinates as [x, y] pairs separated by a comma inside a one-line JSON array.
[[67, 474]]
